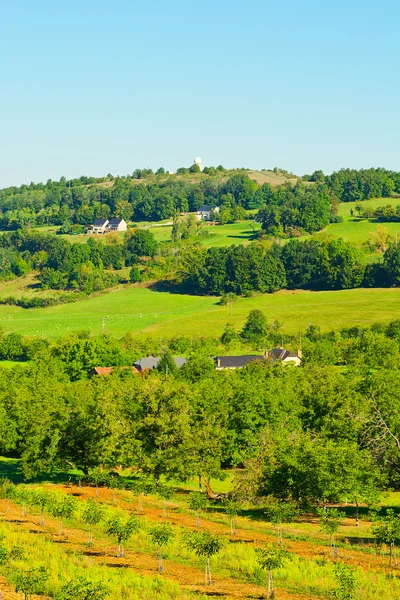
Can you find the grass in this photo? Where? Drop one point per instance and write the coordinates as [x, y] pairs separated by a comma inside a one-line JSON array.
[[25, 286], [356, 230], [217, 235], [164, 314], [308, 572]]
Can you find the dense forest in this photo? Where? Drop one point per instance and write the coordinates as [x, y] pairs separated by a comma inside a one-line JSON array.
[[148, 196], [310, 433]]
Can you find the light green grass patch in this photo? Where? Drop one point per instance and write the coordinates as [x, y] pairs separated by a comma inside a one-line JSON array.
[[356, 230], [163, 314], [216, 235]]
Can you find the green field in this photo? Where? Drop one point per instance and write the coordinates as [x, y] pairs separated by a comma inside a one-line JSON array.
[[160, 314], [356, 230], [216, 235]]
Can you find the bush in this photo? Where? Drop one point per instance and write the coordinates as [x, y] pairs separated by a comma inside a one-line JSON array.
[[135, 275]]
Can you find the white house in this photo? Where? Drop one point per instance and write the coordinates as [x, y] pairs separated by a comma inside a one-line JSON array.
[[99, 226], [286, 356], [117, 225], [204, 212]]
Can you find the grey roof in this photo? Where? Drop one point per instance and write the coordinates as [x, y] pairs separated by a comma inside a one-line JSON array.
[[151, 362], [180, 361], [115, 221], [281, 354], [206, 208], [235, 362], [100, 222]]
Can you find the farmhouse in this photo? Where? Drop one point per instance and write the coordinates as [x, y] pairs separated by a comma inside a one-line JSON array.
[[99, 226], [104, 371], [105, 225], [286, 356], [204, 212], [235, 362], [149, 363], [117, 225]]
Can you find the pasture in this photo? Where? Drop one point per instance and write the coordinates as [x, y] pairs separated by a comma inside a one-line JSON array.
[[356, 230], [165, 314], [216, 235]]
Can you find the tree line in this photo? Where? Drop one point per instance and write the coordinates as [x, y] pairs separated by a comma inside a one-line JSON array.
[[148, 196], [262, 266], [87, 267], [79, 202], [351, 185], [386, 213], [317, 263], [293, 210], [310, 433]]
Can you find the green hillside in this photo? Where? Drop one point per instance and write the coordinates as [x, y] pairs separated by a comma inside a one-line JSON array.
[[159, 314]]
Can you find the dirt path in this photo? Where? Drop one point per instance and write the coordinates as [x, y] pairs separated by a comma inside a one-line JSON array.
[[8, 590]]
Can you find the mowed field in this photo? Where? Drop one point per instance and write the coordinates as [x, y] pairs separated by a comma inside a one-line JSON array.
[[216, 235], [163, 314], [356, 230]]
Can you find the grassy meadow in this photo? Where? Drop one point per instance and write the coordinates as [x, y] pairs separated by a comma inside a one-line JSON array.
[[164, 314], [356, 230]]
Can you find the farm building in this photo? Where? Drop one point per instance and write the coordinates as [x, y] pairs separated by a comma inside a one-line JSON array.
[[99, 226], [238, 362], [117, 225], [286, 356], [235, 362], [204, 212], [104, 371], [105, 225], [149, 363]]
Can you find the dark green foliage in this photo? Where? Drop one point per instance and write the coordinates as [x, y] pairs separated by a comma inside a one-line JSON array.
[[391, 264], [167, 364], [135, 275], [291, 210], [82, 589], [306, 434], [140, 243], [30, 582], [346, 578], [386, 529], [237, 270], [316, 264], [256, 326], [350, 185], [229, 334]]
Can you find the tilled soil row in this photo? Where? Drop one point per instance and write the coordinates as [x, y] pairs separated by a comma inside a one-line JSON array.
[[304, 549], [103, 553]]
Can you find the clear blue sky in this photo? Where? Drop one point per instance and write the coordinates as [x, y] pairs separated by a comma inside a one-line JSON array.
[[91, 87]]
